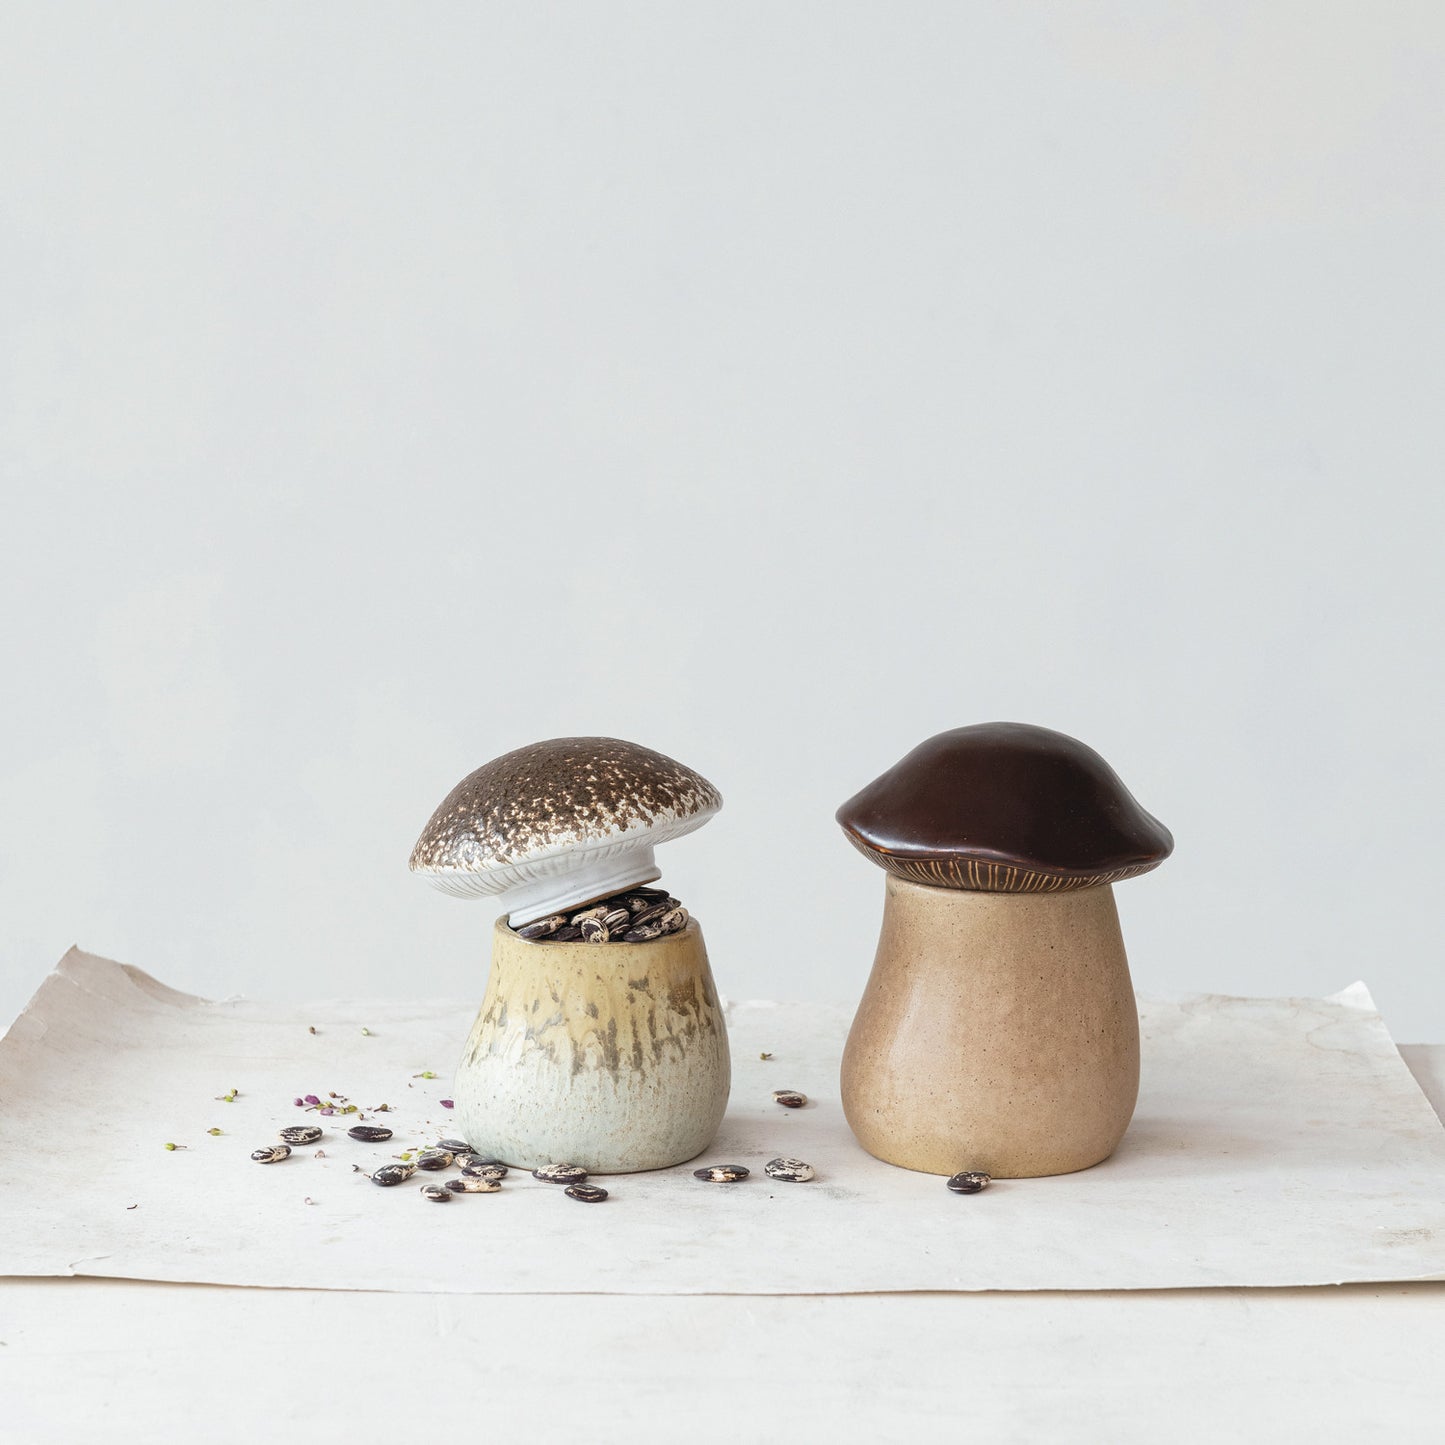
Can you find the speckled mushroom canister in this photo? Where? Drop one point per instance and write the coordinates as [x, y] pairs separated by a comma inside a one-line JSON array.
[[611, 1056], [998, 1029]]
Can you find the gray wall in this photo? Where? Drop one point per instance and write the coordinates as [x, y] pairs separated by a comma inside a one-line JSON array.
[[383, 387]]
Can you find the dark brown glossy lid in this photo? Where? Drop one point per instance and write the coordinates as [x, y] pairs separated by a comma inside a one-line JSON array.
[[1004, 808]]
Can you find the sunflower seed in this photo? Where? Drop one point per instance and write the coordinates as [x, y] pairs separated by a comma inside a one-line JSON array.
[[656, 894], [570, 934], [586, 1193], [473, 1184], [542, 926], [370, 1133], [390, 1174], [560, 1173], [721, 1173], [634, 903], [789, 1098], [438, 1193], [434, 1159], [596, 911], [674, 920], [643, 933], [481, 1168], [650, 914], [594, 930], [457, 1146], [970, 1181], [790, 1171], [271, 1154], [301, 1134], [617, 920]]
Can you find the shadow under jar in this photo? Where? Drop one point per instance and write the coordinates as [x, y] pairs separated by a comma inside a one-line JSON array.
[[998, 1029]]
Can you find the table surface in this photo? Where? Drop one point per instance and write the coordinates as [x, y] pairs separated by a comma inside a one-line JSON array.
[[114, 1360]]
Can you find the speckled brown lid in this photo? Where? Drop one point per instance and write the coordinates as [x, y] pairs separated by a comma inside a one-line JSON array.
[[1004, 808], [540, 823]]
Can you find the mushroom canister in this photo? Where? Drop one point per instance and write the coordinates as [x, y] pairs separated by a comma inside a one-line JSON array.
[[613, 1056], [998, 1030]]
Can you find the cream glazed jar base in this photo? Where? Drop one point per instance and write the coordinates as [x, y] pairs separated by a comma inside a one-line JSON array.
[[998, 1031], [613, 1056]]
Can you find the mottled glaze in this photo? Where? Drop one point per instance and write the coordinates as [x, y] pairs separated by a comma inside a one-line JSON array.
[[613, 1057], [1004, 808], [998, 1032]]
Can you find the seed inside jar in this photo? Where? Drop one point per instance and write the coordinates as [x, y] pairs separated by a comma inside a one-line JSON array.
[[638, 915]]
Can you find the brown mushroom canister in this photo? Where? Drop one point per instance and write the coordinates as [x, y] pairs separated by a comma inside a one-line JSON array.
[[998, 1025]]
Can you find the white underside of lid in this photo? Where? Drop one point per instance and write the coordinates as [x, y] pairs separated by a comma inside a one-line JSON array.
[[535, 887]]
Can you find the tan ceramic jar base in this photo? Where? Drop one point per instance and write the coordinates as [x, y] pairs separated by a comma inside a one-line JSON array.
[[998, 1032], [609, 1055]]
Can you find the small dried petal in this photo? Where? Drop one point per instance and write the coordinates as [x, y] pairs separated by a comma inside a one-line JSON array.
[[447, 1103]]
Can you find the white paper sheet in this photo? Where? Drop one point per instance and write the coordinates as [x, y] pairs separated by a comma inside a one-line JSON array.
[[1276, 1142]]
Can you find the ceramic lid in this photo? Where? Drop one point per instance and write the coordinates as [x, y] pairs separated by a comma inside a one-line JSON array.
[[1004, 808], [560, 822]]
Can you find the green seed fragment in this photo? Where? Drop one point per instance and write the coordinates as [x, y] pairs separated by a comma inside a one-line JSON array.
[[213, 1131], [366, 1031]]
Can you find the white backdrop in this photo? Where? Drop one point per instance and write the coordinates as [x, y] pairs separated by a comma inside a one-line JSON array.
[[384, 387]]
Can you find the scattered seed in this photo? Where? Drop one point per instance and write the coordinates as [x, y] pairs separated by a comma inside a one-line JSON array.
[[789, 1098], [790, 1171], [722, 1173], [970, 1181], [457, 1146], [215, 1131], [560, 1173], [370, 1133], [301, 1133], [434, 1159], [390, 1174], [437, 1193], [586, 1193], [474, 1184], [476, 1168], [271, 1154]]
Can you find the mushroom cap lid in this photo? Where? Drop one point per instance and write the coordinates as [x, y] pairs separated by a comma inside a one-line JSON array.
[[556, 797], [1004, 808]]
